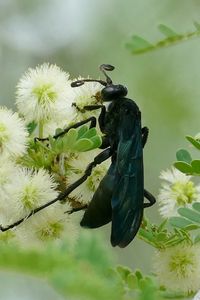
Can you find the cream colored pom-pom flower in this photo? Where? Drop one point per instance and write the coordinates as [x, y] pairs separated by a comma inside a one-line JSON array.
[[178, 268], [50, 224], [43, 94], [86, 190], [13, 133], [26, 191], [8, 172], [177, 190], [8, 169]]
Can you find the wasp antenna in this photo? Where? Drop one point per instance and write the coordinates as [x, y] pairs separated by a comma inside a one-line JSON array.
[[82, 81], [77, 83], [104, 68]]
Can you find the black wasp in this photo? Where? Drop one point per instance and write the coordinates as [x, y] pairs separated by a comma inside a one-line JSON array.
[[120, 195]]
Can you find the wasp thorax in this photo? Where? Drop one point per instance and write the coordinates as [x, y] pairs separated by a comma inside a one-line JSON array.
[[112, 92]]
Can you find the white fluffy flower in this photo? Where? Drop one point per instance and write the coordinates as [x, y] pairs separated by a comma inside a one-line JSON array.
[[86, 94], [8, 172], [177, 190], [13, 134], [86, 190], [43, 94], [50, 224], [26, 191], [178, 268]]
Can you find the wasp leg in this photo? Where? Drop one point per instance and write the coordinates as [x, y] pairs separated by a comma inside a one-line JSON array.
[[101, 118], [145, 133], [93, 107], [149, 197], [78, 124], [105, 142]]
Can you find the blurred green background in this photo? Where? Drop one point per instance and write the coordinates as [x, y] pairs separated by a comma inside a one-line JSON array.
[[80, 35]]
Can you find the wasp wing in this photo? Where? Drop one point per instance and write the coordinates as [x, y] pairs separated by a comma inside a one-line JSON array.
[[128, 194], [99, 211]]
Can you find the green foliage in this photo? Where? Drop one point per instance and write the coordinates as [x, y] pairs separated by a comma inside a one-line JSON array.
[[43, 154], [140, 287], [137, 286], [189, 218], [139, 45], [185, 163], [160, 237], [76, 140]]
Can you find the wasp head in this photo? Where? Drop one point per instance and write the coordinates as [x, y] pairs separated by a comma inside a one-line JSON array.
[[111, 91]]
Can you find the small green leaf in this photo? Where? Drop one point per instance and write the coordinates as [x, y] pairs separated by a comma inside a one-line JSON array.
[[82, 130], [143, 284], [83, 145], [161, 237], [183, 167], [132, 281], [162, 225], [138, 274], [31, 127], [192, 227], [72, 136], [146, 235], [97, 141], [138, 44], [183, 155], [193, 141], [179, 222], [196, 206], [168, 32], [196, 166], [90, 133], [189, 214], [123, 271]]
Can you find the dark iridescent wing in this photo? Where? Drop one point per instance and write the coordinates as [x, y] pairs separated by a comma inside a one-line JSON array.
[[99, 211], [128, 194]]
